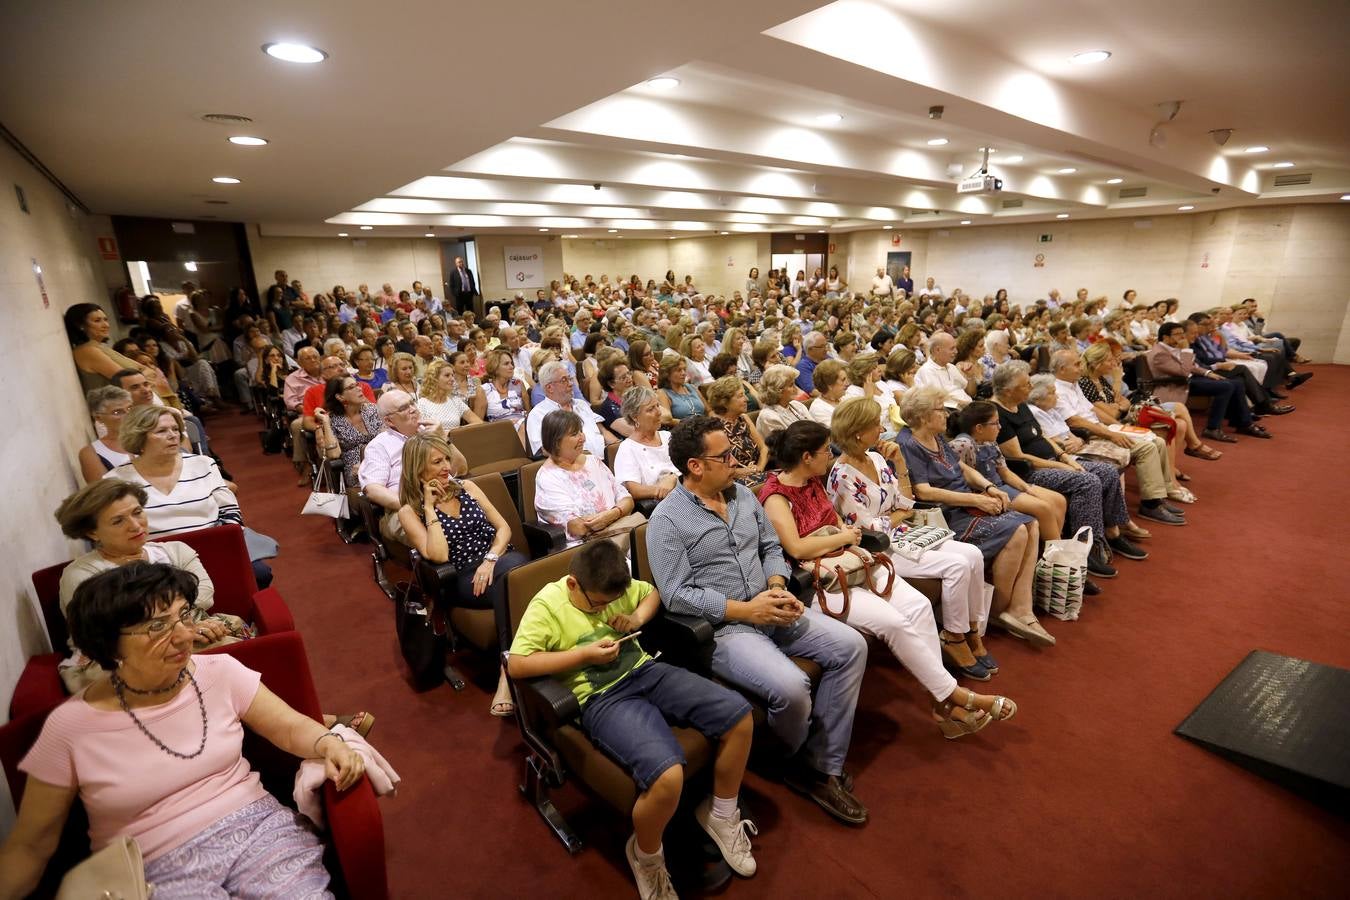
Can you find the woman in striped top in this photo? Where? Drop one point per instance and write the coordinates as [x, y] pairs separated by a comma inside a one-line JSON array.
[[185, 491]]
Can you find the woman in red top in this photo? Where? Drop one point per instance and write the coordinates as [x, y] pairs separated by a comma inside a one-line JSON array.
[[795, 501]]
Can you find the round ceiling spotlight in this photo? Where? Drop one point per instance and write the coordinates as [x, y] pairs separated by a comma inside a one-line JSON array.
[[342, 234], [288, 51], [965, 221], [937, 142], [664, 83], [1185, 208], [829, 118], [244, 140], [1283, 165], [1257, 149], [1088, 57], [1062, 216], [543, 229], [1115, 180], [225, 179], [613, 231], [1067, 170], [429, 234], [367, 227]]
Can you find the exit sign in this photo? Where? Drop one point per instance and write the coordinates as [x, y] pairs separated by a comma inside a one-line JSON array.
[[1047, 238]]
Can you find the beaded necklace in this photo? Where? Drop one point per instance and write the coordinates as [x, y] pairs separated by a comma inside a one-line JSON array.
[[120, 686]]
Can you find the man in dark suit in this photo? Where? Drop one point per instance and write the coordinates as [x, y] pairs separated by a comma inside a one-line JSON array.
[[463, 286]]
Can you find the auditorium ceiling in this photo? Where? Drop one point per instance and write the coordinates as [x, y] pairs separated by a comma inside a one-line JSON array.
[[784, 115]]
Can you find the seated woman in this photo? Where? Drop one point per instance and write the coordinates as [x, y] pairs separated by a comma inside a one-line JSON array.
[[831, 380], [976, 510], [364, 359], [346, 422], [726, 398], [204, 823], [438, 403], [970, 347], [88, 329], [185, 491], [466, 386], [403, 375], [977, 426], [778, 390], [504, 395], [642, 464], [110, 514], [109, 406], [695, 352], [574, 490], [643, 364], [271, 368], [867, 493], [866, 379], [1102, 386], [448, 520], [762, 355], [678, 399], [996, 353], [797, 506]]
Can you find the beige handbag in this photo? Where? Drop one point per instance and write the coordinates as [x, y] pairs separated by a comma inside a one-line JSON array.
[[1100, 448], [621, 531], [116, 872]]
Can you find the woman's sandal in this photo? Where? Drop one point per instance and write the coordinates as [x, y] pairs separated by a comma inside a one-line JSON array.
[[952, 728], [503, 708], [360, 722], [1180, 476], [960, 658]]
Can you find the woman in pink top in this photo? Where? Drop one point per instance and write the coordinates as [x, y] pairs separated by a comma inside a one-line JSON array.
[[154, 752], [573, 488]]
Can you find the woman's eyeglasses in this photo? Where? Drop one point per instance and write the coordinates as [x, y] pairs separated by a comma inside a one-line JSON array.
[[157, 628]]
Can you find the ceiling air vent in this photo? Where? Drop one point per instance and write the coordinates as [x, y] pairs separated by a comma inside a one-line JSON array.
[[1133, 193], [1292, 180], [1012, 204], [226, 119]]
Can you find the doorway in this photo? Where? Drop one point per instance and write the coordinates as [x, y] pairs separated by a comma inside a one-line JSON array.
[[896, 262]]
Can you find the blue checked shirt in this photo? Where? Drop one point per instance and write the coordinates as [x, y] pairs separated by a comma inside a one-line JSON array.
[[699, 561]]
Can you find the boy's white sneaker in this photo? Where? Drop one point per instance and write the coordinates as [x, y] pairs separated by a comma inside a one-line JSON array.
[[653, 881], [732, 837]]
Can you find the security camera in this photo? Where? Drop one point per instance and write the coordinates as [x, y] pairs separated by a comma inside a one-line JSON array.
[[1214, 190], [596, 185], [1221, 135], [935, 112]]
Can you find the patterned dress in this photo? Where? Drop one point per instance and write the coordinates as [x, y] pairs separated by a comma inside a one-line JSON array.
[[744, 450]]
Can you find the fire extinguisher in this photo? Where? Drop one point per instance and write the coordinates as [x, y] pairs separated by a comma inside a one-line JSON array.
[[124, 303]]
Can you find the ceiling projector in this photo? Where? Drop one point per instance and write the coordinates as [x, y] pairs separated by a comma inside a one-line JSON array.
[[980, 183]]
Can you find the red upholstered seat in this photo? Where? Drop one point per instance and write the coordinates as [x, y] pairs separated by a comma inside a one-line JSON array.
[[355, 837], [223, 554]]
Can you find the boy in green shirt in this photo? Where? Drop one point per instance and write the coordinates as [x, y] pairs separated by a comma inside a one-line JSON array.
[[573, 630]]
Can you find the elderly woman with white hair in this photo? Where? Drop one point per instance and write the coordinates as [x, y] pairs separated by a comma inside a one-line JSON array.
[[976, 510], [642, 464], [778, 391], [1030, 430], [996, 352]]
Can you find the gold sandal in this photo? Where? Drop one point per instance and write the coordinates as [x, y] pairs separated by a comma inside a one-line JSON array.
[[954, 728]]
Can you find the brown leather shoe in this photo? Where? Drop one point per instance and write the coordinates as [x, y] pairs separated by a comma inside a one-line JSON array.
[[828, 793]]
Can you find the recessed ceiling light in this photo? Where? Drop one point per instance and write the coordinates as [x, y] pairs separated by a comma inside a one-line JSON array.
[[614, 231], [1345, 196], [1067, 170], [429, 234], [1184, 208], [1257, 149], [988, 149], [1283, 165], [225, 179], [937, 142], [190, 266], [1012, 159], [664, 83], [829, 118], [887, 227], [571, 235], [1115, 180], [965, 221], [367, 227], [1061, 215], [1090, 56], [342, 234], [296, 53], [543, 229], [822, 230], [244, 140]]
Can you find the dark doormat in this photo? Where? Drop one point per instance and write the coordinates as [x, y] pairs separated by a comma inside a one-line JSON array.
[[1287, 720]]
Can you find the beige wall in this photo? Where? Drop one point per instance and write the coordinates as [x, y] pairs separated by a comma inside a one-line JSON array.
[[321, 263], [40, 455], [492, 264], [619, 259], [719, 264], [1294, 259]]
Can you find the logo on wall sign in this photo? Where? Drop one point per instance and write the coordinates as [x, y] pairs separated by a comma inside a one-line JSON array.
[[1040, 261], [520, 276]]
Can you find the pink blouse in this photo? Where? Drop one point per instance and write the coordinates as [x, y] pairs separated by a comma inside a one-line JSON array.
[[131, 787]]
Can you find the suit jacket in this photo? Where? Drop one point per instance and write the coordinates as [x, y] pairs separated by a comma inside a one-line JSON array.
[[1171, 375], [467, 285], [1208, 351]]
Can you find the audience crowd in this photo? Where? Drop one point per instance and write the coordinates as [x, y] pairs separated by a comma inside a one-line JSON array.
[[796, 419]]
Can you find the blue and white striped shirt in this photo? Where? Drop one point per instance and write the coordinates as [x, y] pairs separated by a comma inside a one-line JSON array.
[[699, 560], [200, 499]]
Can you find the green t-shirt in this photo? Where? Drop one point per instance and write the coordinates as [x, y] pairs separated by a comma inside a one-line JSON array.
[[552, 623]]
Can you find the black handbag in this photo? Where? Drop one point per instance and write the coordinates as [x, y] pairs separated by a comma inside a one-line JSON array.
[[273, 440], [420, 638]]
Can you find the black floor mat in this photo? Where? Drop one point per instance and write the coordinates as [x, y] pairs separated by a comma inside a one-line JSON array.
[[1286, 719]]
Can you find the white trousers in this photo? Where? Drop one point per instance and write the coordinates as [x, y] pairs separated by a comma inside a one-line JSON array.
[[1258, 367], [905, 624], [961, 568]]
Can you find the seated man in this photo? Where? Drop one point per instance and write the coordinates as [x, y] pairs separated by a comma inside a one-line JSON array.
[[1152, 464], [382, 465], [330, 368], [1209, 352], [1256, 323], [557, 384], [938, 371], [571, 629], [1233, 325], [1176, 374], [142, 392], [293, 397], [714, 554]]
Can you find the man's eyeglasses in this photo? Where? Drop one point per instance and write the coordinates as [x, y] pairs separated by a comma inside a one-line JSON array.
[[725, 458], [158, 628]]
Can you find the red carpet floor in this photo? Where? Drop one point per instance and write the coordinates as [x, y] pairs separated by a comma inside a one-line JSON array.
[[1086, 793]]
